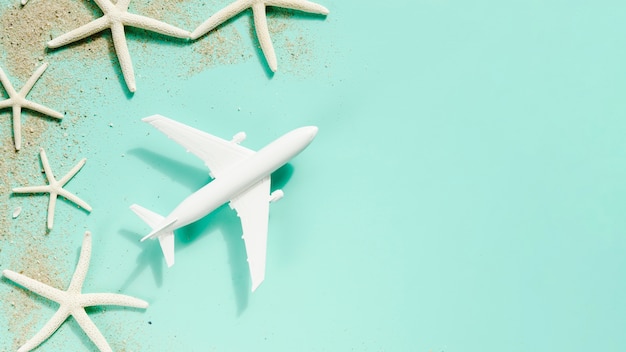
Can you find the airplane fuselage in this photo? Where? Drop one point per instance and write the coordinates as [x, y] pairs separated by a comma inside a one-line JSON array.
[[239, 178]]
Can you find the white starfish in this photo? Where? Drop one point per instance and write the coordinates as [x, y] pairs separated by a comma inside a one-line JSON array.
[[260, 21], [73, 301], [115, 17], [55, 188], [18, 101]]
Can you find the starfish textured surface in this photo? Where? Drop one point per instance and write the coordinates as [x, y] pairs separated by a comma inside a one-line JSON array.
[[260, 21], [73, 301], [55, 188], [115, 17], [18, 101]]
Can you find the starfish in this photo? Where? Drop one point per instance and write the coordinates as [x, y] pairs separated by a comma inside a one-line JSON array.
[[55, 188], [115, 17], [260, 21], [18, 101], [73, 301]]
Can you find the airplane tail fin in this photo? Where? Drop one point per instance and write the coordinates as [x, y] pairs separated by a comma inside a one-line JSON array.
[[160, 231]]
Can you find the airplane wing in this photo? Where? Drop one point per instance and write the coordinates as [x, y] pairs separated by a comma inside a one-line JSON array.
[[218, 154], [253, 207]]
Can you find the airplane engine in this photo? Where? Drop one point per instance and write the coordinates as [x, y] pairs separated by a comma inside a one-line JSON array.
[[239, 137], [276, 195]]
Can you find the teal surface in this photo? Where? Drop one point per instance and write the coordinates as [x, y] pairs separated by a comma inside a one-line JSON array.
[[466, 190]]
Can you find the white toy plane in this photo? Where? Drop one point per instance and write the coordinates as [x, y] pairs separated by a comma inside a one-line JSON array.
[[241, 176]]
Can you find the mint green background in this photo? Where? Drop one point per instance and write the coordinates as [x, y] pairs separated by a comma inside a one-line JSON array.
[[466, 191]]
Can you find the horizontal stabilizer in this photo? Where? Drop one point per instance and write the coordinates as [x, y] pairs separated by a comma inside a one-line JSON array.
[[149, 217], [162, 230]]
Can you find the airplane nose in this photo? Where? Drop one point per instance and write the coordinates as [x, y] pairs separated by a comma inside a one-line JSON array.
[[305, 134], [312, 130]]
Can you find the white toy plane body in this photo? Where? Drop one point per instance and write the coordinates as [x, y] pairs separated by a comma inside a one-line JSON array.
[[241, 176]]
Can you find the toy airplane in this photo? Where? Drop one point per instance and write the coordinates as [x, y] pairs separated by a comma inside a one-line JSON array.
[[241, 176]]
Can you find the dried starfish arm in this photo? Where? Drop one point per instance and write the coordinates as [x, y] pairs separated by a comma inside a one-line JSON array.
[[72, 302], [105, 5], [46, 167], [35, 286], [6, 103], [220, 17], [74, 199], [76, 284], [32, 189], [46, 331], [7, 84], [260, 21], [18, 100], [81, 32], [133, 20], [115, 17], [17, 125], [263, 34], [55, 188], [300, 5], [91, 330], [52, 205], [33, 79], [73, 171], [123, 55], [42, 109], [122, 5], [111, 299]]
